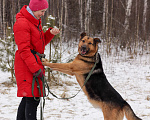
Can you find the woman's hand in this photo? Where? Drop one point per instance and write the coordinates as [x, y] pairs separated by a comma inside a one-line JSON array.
[[55, 31], [44, 61]]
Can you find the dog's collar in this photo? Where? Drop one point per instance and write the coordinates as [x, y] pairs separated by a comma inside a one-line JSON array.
[[91, 59]]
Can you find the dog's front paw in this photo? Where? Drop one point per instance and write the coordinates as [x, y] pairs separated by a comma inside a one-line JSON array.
[[44, 61]]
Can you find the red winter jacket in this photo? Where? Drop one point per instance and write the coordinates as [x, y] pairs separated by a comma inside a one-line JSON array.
[[28, 35]]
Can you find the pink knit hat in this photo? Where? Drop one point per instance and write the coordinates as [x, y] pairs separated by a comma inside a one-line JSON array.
[[36, 5]]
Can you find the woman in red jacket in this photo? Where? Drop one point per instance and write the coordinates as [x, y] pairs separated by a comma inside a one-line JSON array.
[[29, 36]]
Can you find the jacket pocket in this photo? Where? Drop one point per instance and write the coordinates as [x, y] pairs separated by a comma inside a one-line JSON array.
[[24, 89]]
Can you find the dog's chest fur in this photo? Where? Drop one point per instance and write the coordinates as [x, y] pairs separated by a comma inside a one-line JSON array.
[[99, 89]]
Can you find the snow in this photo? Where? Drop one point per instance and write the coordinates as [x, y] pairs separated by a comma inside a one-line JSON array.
[[130, 77], [51, 17]]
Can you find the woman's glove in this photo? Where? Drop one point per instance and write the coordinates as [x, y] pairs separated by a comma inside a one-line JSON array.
[[38, 73]]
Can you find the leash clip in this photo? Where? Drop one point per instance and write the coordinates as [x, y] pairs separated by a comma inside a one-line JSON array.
[[40, 55]]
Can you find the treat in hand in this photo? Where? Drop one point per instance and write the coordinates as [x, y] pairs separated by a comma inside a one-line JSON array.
[[55, 31]]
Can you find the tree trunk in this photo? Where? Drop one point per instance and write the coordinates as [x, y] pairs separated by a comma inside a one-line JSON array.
[[137, 23], [107, 28], [60, 26], [111, 19], [144, 18], [65, 20], [81, 14], [50, 56], [87, 16], [4, 21], [19, 5], [128, 13], [0, 19], [13, 14], [104, 17]]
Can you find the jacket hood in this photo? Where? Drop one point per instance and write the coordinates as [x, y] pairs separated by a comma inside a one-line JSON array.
[[25, 14]]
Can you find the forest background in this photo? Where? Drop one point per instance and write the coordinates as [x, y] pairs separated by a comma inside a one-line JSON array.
[[122, 25], [124, 29]]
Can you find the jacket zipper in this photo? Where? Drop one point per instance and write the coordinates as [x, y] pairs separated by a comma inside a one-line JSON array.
[[41, 36]]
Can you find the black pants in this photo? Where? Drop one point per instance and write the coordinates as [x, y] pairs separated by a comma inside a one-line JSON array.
[[27, 109]]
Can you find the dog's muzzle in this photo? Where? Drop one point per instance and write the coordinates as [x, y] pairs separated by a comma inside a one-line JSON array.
[[84, 50]]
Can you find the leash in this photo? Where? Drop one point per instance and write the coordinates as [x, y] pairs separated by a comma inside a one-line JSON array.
[[35, 79], [42, 103], [86, 80], [45, 85]]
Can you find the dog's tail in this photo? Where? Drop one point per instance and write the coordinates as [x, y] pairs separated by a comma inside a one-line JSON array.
[[130, 115]]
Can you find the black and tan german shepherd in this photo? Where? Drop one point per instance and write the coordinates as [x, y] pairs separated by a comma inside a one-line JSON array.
[[98, 90]]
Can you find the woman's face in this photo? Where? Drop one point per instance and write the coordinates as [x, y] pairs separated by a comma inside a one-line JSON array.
[[38, 14]]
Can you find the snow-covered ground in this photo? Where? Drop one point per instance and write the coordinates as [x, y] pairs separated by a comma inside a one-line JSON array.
[[130, 77]]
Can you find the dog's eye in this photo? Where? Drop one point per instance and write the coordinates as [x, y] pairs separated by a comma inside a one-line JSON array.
[[83, 41], [90, 43]]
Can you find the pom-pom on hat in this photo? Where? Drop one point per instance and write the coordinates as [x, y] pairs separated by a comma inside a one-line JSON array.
[[36, 5]]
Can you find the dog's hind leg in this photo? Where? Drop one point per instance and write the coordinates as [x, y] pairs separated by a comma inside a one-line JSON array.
[[119, 115], [130, 115], [112, 112], [107, 112], [114, 115]]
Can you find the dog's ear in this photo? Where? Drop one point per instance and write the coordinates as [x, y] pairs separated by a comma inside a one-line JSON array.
[[97, 40], [82, 35]]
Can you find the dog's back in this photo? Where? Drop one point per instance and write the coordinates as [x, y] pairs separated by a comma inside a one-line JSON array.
[[106, 97]]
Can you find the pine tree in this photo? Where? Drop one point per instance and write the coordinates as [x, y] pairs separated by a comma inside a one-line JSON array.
[[53, 55], [7, 53]]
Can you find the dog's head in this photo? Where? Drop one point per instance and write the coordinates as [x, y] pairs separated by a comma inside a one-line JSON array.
[[88, 46]]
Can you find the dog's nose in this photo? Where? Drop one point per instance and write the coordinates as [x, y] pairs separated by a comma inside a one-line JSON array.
[[84, 47]]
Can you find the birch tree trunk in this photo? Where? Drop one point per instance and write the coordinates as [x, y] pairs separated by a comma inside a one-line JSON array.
[[4, 22], [60, 26], [65, 19], [90, 12], [107, 29], [87, 16], [81, 14], [128, 13], [144, 17], [104, 16], [109, 32], [111, 19], [137, 24], [0, 19]]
